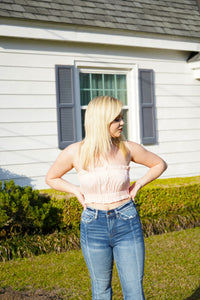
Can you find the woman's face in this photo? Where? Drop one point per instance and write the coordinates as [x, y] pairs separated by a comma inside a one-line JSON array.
[[116, 126]]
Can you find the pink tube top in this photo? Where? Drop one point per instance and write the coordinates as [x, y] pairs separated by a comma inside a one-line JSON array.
[[105, 184]]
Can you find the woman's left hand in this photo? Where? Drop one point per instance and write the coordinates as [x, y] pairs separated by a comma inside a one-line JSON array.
[[133, 189]]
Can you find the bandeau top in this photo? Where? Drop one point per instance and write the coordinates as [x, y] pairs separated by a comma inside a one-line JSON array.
[[105, 184]]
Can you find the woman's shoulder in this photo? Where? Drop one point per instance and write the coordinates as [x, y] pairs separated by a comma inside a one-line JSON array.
[[131, 145], [73, 150], [74, 146], [128, 149], [72, 153], [134, 147]]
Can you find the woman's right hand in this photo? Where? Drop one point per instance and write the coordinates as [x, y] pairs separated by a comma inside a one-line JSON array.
[[133, 189], [80, 197]]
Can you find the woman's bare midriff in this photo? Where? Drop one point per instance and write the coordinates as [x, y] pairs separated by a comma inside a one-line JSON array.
[[108, 206]]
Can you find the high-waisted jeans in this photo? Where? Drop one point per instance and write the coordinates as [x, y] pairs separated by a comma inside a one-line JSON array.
[[114, 234]]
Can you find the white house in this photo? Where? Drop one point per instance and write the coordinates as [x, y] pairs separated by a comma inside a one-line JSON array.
[[55, 55]]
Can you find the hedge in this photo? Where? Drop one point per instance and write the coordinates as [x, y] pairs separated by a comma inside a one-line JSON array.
[[161, 209], [168, 209], [31, 223]]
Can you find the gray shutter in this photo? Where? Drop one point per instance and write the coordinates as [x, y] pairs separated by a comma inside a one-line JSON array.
[[147, 107], [65, 106]]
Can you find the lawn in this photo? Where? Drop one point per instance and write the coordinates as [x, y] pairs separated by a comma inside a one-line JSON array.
[[172, 270]]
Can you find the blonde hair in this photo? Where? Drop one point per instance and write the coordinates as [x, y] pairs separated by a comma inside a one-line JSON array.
[[101, 111]]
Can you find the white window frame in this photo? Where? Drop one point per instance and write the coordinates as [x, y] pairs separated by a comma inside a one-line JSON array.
[[132, 92]]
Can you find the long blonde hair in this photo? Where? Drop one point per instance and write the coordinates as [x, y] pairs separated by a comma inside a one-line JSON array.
[[101, 111]]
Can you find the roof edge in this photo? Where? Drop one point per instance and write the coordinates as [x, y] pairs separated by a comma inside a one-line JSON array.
[[86, 34]]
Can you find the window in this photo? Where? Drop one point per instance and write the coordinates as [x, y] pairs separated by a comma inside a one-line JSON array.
[[101, 84], [138, 101]]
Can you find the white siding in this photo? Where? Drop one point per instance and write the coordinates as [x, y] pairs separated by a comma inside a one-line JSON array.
[[28, 122]]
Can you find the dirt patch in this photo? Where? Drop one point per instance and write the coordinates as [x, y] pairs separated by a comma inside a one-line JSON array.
[[10, 294]]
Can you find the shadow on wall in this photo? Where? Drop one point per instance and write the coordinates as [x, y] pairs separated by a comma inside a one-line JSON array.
[[195, 295], [18, 179]]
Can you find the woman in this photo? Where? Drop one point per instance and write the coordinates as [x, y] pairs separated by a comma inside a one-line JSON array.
[[110, 224]]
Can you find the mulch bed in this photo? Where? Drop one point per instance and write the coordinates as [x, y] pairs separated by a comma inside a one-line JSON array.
[[10, 294]]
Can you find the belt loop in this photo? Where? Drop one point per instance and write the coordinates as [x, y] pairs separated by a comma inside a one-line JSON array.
[[96, 214], [116, 212]]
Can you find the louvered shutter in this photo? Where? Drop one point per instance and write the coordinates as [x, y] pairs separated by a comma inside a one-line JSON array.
[[147, 107], [65, 106]]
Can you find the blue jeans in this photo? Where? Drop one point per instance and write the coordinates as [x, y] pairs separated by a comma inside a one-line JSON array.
[[114, 234]]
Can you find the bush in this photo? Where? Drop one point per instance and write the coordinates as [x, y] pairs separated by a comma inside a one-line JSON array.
[[168, 209], [72, 215], [161, 209], [23, 210], [31, 223]]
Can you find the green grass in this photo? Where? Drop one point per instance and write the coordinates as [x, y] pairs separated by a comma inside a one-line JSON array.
[[172, 270]]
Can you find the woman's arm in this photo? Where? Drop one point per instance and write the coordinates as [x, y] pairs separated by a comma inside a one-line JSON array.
[[63, 164], [144, 157]]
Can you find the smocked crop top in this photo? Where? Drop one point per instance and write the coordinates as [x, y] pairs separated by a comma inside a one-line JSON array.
[[105, 184]]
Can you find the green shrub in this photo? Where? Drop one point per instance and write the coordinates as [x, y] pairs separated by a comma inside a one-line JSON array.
[[23, 210], [72, 215], [168, 209], [161, 209]]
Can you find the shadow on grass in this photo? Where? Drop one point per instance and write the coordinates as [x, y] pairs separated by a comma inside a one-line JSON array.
[[195, 295]]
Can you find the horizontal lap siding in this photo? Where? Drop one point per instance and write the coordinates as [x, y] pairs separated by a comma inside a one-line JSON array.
[[26, 87], [27, 101], [28, 115], [28, 142], [18, 157], [178, 120], [177, 113], [28, 122], [177, 135], [12, 129]]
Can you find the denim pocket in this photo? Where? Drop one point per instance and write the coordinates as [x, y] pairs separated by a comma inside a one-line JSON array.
[[87, 216], [128, 213]]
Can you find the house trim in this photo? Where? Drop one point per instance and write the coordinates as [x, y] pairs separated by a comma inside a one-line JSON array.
[[67, 33]]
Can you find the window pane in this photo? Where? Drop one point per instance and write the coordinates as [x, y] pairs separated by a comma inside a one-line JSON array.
[[84, 81], [111, 93], [122, 95], [125, 118], [82, 122], [121, 82], [97, 81], [96, 93], [109, 81], [85, 97]]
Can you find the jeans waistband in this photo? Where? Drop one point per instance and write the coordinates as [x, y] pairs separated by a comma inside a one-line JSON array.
[[114, 210]]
